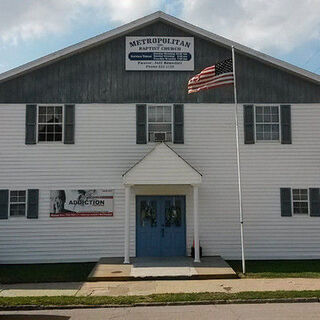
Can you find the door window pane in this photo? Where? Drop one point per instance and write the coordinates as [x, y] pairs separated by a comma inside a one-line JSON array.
[[173, 214], [148, 213]]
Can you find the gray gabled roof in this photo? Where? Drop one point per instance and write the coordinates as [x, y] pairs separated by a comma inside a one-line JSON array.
[[137, 24]]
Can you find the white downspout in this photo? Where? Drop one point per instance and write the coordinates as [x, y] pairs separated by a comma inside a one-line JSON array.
[[127, 225], [196, 223]]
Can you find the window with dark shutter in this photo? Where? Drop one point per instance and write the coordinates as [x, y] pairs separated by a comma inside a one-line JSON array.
[[300, 201], [18, 200], [69, 123], [285, 199], [314, 194], [159, 123], [248, 121], [50, 121], [31, 124], [267, 126], [178, 118], [286, 124], [141, 121], [33, 204], [4, 204]]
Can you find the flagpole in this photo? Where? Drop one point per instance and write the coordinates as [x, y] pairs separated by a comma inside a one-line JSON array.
[[238, 161]]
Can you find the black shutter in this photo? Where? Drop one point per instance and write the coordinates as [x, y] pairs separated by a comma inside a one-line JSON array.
[[285, 198], [178, 120], [69, 123], [248, 121], [286, 124], [33, 204], [314, 195], [31, 124], [141, 120], [4, 199]]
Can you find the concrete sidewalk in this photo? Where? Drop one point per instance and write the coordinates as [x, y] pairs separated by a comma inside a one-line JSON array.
[[120, 288]]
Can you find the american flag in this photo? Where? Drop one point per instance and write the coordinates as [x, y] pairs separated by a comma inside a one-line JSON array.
[[217, 75]]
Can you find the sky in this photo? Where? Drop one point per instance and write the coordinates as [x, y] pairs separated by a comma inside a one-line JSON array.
[[286, 29]]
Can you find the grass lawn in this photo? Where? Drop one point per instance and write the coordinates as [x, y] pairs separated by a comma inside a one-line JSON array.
[[74, 272], [278, 268], [47, 272], [154, 298]]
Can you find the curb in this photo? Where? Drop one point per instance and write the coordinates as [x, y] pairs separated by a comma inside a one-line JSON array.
[[158, 304]]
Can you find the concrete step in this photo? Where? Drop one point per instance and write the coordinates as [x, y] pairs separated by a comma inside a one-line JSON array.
[[165, 268]]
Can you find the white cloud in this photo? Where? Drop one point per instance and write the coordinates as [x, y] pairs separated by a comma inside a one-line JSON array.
[[24, 20], [264, 25], [273, 26]]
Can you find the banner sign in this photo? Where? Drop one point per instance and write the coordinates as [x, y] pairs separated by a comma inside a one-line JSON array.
[[81, 203], [160, 53]]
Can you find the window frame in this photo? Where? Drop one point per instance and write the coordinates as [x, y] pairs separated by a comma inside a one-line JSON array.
[[308, 201], [172, 120], [62, 123], [255, 124], [9, 204]]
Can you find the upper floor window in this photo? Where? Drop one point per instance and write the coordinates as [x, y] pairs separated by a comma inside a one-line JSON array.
[[50, 123], [300, 201], [267, 123], [159, 123], [18, 203]]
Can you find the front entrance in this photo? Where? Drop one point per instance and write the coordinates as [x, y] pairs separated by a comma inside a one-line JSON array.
[[160, 226]]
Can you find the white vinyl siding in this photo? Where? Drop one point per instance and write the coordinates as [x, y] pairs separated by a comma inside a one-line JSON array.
[[267, 167], [106, 148]]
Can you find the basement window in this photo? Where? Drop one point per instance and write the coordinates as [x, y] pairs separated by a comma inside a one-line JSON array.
[[50, 123], [159, 123]]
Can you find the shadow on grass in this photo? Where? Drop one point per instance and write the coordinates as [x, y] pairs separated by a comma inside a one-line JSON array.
[[47, 272], [278, 268]]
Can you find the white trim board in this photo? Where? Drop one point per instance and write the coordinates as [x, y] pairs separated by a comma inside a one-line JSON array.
[[139, 23]]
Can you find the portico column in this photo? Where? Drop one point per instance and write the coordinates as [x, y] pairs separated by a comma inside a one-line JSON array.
[[196, 223], [127, 225]]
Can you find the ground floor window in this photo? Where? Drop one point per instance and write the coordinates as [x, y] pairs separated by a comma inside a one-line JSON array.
[[18, 202], [300, 201]]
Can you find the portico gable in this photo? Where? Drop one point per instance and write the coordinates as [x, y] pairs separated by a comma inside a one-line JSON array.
[[162, 165]]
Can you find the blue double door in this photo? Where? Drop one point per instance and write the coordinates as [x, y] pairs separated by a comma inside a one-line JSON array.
[[160, 226]]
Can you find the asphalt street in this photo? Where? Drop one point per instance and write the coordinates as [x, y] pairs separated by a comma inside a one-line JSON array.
[[274, 311]]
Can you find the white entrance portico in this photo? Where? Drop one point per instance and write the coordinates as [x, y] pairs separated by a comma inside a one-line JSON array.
[[161, 166]]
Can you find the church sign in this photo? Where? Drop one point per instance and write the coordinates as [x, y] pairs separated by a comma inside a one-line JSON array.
[[160, 53], [81, 203]]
